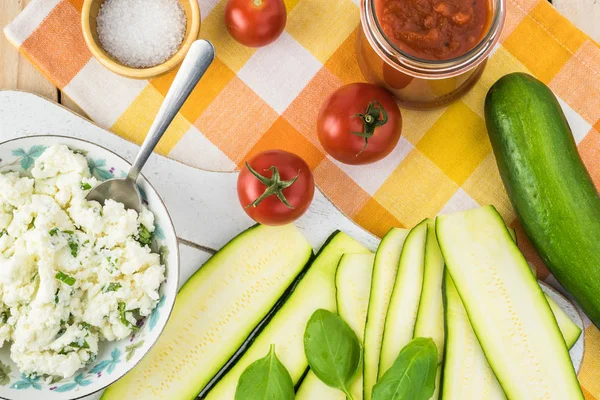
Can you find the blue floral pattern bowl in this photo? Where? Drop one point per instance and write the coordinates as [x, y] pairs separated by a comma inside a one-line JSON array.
[[114, 359]]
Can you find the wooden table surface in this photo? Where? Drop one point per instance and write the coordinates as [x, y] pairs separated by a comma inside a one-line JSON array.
[[16, 72]]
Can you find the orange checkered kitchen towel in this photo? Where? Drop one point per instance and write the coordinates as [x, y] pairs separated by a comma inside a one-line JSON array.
[[256, 99]]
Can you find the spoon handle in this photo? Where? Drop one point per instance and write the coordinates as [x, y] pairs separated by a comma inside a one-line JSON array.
[[195, 64]]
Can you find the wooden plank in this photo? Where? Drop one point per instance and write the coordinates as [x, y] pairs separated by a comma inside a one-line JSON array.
[[16, 72], [585, 14]]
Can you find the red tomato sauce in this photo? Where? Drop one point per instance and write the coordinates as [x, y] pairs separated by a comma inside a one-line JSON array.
[[434, 29]]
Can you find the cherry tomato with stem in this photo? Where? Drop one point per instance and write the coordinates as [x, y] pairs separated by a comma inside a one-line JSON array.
[[275, 187], [255, 23], [360, 123]]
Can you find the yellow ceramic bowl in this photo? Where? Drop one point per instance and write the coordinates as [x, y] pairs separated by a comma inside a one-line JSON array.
[[90, 34]]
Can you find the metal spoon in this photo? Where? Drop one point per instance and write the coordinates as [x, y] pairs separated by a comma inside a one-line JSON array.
[[125, 190]]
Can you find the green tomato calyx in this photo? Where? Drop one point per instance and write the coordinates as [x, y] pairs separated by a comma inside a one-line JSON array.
[[375, 116], [274, 185]]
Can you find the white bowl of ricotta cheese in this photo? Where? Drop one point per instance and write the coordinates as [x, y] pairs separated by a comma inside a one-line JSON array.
[[85, 289]]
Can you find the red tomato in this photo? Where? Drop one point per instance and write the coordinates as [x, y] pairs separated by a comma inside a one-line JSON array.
[[269, 181], [360, 123], [255, 23]]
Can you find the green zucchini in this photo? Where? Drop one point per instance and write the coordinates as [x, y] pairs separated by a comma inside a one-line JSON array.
[[404, 303], [286, 328], [219, 307], [353, 284], [385, 269], [506, 307], [430, 317], [549, 187]]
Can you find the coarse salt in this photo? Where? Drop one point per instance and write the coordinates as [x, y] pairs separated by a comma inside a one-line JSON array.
[[141, 33]]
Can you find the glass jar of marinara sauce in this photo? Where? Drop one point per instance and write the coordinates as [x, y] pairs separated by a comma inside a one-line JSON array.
[[427, 61]]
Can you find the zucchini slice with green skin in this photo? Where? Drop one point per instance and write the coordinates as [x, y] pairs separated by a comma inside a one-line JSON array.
[[313, 389], [353, 285], [219, 306], [506, 307], [568, 328], [467, 374], [286, 329], [385, 269], [549, 187], [430, 317], [404, 303]]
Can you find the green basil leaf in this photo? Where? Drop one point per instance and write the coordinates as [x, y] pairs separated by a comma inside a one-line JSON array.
[[265, 379], [85, 186], [332, 349], [68, 279], [413, 374]]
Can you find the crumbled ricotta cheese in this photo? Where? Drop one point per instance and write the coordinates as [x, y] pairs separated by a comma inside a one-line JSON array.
[[72, 272]]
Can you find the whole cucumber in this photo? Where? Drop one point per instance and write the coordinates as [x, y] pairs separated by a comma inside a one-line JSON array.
[[549, 187]]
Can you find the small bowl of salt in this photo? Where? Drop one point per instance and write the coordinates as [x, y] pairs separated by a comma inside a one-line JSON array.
[[140, 39]]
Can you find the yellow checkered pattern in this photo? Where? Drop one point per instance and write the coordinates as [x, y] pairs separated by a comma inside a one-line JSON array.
[[257, 99]]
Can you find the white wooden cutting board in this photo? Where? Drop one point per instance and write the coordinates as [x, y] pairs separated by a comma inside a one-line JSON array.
[[202, 204]]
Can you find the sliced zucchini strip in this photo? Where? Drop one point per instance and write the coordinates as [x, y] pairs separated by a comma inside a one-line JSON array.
[[430, 317], [467, 374], [404, 303], [313, 389], [286, 329], [506, 307], [215, 312], [353, 285], [568, 328], [382, 284]]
